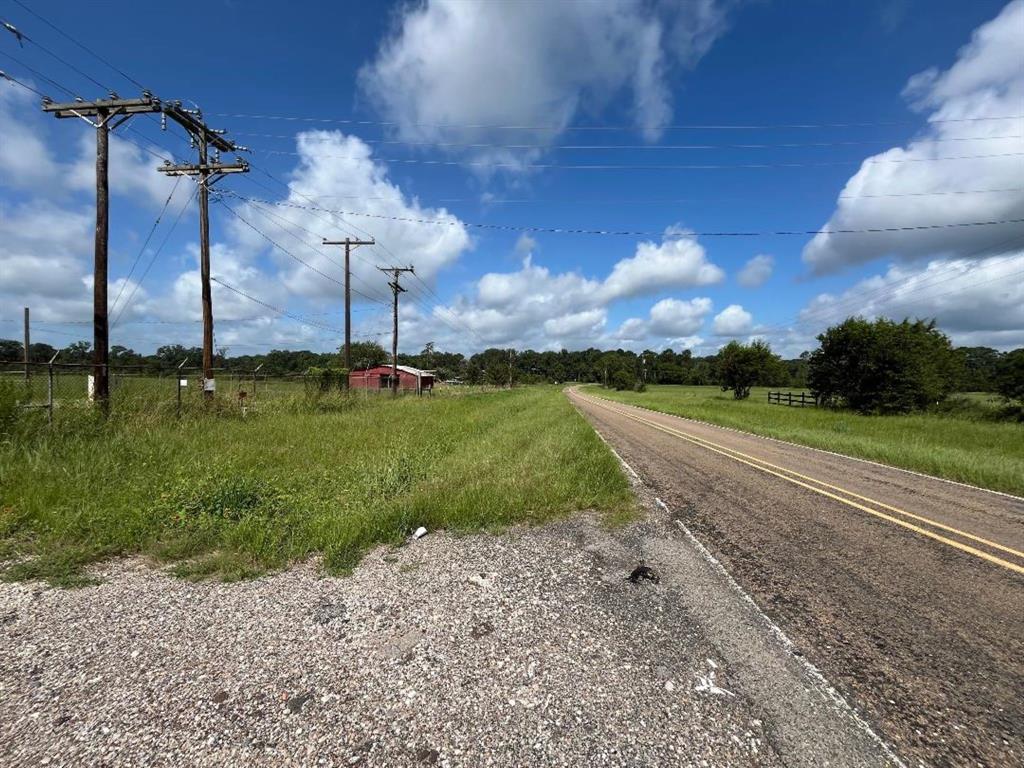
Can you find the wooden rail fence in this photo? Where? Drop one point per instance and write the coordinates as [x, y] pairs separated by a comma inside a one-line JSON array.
[[799, 400]]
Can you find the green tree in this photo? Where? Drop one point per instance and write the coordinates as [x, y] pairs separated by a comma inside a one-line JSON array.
[[882, 366], [368, 354], [741, 366], [1009, 377], [979, 368]]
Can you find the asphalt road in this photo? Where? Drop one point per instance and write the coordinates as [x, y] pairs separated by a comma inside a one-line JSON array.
[[905, 590]]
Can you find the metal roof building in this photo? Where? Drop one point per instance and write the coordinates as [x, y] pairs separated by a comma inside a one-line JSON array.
[[380, 378]]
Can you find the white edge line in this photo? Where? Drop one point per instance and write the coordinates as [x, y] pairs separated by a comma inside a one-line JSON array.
[[812, 448], [775, 629], [815, 673]]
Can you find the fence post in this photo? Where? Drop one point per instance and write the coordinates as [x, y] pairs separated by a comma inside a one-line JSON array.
[[177, 385], [254, 380], [49, 389]]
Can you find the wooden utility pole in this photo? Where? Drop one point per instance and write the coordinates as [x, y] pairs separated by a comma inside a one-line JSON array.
[[396, 289], [27, 343], [207, 174], [102, 112], [349, 244]]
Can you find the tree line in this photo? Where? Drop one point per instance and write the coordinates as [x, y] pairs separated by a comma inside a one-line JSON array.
[[877, 366]]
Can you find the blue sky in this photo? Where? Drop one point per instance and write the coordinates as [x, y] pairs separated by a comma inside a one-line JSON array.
[[380, 109]]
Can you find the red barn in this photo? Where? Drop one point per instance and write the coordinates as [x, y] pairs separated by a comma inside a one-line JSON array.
[[409, 379]]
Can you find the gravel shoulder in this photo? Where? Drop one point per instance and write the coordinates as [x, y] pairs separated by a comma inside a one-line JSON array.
[[529, 648], [925, 639]]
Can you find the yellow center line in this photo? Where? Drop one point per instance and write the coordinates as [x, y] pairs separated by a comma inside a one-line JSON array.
[[897, 510], [771, 470]]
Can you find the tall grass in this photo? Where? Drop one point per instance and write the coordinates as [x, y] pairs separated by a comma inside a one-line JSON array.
[[964, 442], [223, 495]]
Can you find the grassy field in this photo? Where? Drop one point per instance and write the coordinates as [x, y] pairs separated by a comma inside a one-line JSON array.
[[964, 442], [231, 497]]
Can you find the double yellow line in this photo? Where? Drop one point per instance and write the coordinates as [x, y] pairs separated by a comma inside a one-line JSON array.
[[839, 494]]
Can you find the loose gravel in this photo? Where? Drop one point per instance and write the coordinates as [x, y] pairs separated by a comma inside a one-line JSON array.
[[531, 648]]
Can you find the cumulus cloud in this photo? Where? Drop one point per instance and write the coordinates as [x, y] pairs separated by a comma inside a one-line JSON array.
[[985, 82], [756, 272], [734, 320], [975, 301], [332, 165], [42, 263], [450, 63], [672, 318], [24, 157], [678, 262], [534, 305]]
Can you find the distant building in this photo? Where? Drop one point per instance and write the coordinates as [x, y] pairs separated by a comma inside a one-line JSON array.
[[379, 378]]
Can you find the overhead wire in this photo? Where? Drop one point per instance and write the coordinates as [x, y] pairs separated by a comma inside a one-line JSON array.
[[560, 128], [455, 222], [145, 244], [641, 166]]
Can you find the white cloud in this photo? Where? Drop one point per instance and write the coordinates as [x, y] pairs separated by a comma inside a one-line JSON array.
[[534, 305], [132, 171], [633, 329], [335, 166], [756, 272], [674, 318], [41, 261], [987, 81], [678, 262], [525, 245], [974, 301], [734, 320], [588, 323], [24, 157], [454, 63]]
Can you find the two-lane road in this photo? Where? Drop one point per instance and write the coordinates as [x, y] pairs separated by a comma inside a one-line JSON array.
[[906, 590]]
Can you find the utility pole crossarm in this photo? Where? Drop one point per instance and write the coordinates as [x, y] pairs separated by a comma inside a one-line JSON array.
[[194, 169], [103, 107]]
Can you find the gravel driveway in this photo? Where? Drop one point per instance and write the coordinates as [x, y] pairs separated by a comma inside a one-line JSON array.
[[526, 649]]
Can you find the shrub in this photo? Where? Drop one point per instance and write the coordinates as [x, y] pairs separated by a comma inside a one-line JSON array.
[[741, 366], [882, 366], [320, 380]]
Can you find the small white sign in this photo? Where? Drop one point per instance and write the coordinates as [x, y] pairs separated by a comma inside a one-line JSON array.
[[91, 386], [209, 385], [182, 382]]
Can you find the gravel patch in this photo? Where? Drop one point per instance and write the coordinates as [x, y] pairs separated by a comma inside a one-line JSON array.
[[532, 648]]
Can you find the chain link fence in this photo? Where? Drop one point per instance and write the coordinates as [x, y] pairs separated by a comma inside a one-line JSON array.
[[51, 387]]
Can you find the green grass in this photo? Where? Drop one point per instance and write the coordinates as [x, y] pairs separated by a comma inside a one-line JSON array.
[[964, 441], [219, 495]]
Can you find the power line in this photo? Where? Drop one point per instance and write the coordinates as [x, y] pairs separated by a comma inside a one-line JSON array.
[[630, 128], [153, 258], [284, 250], [272, 308], [640, 166], [22, 36], [145, 243], [652, 200], [647, 233], [220, 199], [80, 45], [607, 147]]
